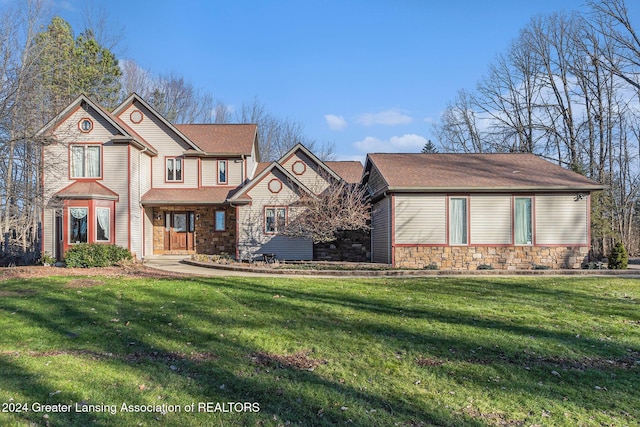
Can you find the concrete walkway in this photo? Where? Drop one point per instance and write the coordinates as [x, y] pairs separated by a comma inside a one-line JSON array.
[[176, 264]]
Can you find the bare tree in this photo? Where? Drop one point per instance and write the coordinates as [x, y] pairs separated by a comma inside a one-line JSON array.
[[341, 206], [458, 129]]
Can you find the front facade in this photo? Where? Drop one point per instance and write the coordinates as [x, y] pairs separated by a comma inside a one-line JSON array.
[[131, 178], [470, 211]]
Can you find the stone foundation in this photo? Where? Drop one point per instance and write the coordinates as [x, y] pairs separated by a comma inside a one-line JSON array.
[[498, 257], [207, 241]]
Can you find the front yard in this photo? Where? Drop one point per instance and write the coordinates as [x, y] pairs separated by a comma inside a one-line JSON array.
[[123, 350]]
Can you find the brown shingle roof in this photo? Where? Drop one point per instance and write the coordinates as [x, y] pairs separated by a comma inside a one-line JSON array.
[[87, 190], [187, 196], [350, 171], [476, 172], [221, 138]]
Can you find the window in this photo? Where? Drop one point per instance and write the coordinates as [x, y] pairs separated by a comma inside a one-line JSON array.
[[275, 219], [222, 171], [219, 221], [85, 161], [85, 125], [103, 226], [78, 225], [174, 169], [522, 221], [458, 221]]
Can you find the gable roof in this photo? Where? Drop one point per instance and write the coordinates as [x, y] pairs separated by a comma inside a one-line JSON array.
[[225, 139], [134, 97], [475, 172], [350, 171], [127, 134], [310, 155], [242, 193]]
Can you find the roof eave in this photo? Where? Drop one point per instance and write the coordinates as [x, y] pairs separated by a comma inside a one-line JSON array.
[[502, 189]]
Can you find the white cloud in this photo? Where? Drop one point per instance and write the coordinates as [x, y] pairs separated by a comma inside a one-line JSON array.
[[387, 118], [408, 143], [335, 122]]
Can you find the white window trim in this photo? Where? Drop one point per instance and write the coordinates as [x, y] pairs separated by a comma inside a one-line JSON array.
[[275, 210]]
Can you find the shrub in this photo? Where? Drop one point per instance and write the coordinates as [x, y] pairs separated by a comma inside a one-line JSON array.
[[618, 258], [432, 266], [540, 267], [485, 267], [87, 255], [46, 259]]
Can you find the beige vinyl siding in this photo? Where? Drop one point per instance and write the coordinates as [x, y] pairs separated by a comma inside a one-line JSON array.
[[252, 238], [561, 219], [381, 231], [56, 163], [116, 179], [313, 177], [235, 172], [252, 163], [167, 143], [148, 231], [135, 186], [420, 219], [490, 217]]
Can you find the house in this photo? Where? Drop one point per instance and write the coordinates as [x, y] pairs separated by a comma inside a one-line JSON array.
[[132, 178], [462, 211]]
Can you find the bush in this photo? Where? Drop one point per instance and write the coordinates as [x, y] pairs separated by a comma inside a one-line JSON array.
[[618, 259], [432, 266], [85, 255], [485, 267]]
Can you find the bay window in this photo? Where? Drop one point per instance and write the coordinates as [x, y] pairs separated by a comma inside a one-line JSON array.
[[78, 225], [103, 226], [85, 161]]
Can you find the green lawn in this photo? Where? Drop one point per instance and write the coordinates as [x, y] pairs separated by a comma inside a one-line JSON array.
[[409, 352]]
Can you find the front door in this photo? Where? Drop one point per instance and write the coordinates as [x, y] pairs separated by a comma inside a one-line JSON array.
[[179, 231]]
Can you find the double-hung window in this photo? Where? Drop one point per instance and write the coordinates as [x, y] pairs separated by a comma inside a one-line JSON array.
[[458, 233], [85, 161], [174, 169], [274, 219], [222, 171], [522, 220], [103, 226], [78, 225]]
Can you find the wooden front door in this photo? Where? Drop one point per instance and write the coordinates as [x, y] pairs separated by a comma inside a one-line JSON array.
[[179, 231]]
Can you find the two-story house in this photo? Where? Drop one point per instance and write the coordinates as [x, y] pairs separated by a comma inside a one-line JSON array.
[[132, 178]]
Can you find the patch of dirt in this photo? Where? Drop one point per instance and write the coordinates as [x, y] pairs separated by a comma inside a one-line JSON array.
[[300, 360], [133, 271], [427, 361], [491, 418], [17, 293]]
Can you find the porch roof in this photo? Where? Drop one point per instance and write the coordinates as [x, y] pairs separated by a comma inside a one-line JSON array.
[[87, 190], [187, 196]]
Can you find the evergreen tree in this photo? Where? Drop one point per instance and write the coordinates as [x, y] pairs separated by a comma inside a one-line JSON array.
[[429, 148]]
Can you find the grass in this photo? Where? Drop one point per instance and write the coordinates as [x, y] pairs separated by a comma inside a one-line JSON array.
[[410, 352]]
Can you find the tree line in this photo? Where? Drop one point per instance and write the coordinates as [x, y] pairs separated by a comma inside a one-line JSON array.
[[567, 89], [44, 65]]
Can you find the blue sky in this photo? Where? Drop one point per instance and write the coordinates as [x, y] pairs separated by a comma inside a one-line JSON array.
[[366, 75]]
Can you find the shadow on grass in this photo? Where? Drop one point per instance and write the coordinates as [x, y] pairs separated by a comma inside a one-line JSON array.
[[108, 325]]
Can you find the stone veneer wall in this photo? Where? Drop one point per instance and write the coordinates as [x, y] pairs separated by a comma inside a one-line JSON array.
[[499, 257], [207, 241], [351, 246]]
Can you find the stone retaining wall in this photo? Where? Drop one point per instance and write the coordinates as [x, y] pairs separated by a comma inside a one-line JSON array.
[[498, 257], [351, 246]]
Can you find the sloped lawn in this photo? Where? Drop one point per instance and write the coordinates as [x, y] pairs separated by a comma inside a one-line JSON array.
[[408, 352]]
